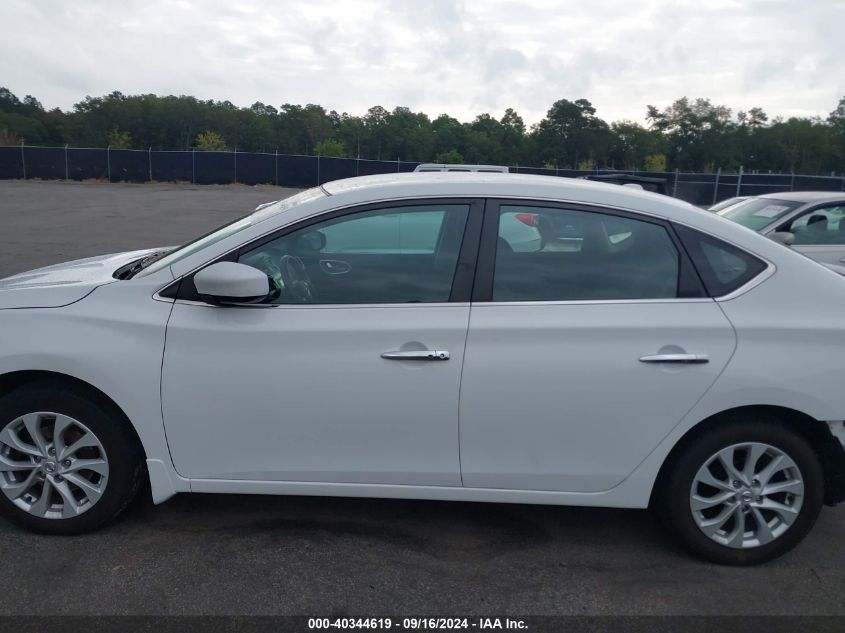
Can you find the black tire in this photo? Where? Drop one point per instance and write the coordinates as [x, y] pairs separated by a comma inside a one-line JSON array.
[[124, 453], [674, 502]]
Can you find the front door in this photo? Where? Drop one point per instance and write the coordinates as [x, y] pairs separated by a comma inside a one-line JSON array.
[[585, 352], [820, 234], [328, 380]]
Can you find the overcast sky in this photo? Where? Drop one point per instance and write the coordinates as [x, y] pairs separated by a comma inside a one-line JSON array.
[[462, 58]]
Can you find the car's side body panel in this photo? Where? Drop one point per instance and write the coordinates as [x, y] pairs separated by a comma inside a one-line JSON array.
[[112, 340], [827, 253], [303, 393], [786, 354], [554, 396]]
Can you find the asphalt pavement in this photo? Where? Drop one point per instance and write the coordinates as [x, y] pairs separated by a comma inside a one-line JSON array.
[[250, 555]]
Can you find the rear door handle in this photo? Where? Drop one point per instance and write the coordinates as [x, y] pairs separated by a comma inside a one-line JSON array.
[[842, 260], [689, 359], [417, 354]]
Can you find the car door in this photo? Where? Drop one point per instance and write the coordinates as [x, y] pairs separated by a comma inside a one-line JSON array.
[[584, 353], [819, 233], [340, 383]]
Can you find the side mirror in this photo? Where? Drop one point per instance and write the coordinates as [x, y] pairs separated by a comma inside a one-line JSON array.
[[228, 282], [783, 237]]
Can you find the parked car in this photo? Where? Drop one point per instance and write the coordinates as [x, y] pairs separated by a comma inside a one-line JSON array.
[[808, 221], [642, 354], [729, 202], [493, 169], [657, 185]]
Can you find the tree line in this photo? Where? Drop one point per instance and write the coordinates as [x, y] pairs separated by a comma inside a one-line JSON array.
[[689, 134]]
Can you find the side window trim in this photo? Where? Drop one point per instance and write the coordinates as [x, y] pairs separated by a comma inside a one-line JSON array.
[[690, 285], [183, 288]]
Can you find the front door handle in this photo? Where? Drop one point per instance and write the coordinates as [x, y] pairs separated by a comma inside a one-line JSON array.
[[842, 260], [335, 266], [417, 354], [688, 359]]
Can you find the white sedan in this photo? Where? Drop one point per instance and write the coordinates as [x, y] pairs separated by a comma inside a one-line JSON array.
[[381, 337]]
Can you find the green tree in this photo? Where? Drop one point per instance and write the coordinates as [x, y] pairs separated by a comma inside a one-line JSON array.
[[378, 135], [451, 157], [655, 162], [118, 139], [448, 134], [632, 143], [697, 133], [410, 134], [836, 120], [7, 137], [694, 134], [211, 141], [331, 147], [512, 137], [571, 133]]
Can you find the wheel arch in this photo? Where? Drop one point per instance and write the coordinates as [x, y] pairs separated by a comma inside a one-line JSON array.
[[15, 379], [816, 432]]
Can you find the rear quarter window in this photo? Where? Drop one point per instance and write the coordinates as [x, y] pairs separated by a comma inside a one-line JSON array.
[[723, 267]]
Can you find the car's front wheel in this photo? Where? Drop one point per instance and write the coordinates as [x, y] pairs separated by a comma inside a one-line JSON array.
[[68, 463], [744, 493]]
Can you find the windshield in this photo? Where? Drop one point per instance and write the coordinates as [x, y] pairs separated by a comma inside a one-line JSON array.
[[262, 213], [758, 213], [724, 204]]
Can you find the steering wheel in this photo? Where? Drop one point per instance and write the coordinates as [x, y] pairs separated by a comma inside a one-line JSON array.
[[297, 283]]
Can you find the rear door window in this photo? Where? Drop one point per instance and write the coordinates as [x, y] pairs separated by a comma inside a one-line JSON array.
[[557, 254]]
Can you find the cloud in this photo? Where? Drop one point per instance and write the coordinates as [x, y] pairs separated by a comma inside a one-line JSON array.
[[437, 56]]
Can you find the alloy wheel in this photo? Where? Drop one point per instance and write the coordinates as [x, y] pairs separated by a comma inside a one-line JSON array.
[[51, 465], [746, 495]]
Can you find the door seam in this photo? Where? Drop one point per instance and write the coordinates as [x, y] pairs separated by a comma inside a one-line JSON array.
[[460, 393]]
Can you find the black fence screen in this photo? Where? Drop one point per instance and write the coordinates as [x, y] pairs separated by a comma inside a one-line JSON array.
[[179, 167], [286, 170], [128, 165], [256, 169], [11, 162], [47, 163]]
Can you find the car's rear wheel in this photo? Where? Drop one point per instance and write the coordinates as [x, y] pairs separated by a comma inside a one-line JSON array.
[[68, 463], [744, 493]]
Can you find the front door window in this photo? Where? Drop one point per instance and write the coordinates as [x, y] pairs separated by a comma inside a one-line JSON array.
[[402, 254]]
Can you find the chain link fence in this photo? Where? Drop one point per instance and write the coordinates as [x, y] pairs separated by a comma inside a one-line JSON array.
[[290, 170]]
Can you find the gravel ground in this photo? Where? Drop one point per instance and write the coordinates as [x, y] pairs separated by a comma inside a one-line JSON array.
[[49, 222], [203, 554]]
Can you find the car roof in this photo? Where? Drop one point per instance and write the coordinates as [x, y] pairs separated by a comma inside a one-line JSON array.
[[499, 185], [806, 196]]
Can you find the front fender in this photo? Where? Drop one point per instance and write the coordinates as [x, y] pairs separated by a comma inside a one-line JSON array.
[[112, 340]]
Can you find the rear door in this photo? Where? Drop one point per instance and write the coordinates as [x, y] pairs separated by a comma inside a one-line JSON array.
[[583, 353]]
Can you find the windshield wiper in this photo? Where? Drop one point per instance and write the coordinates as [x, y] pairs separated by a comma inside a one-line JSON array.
[[127, 271]]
